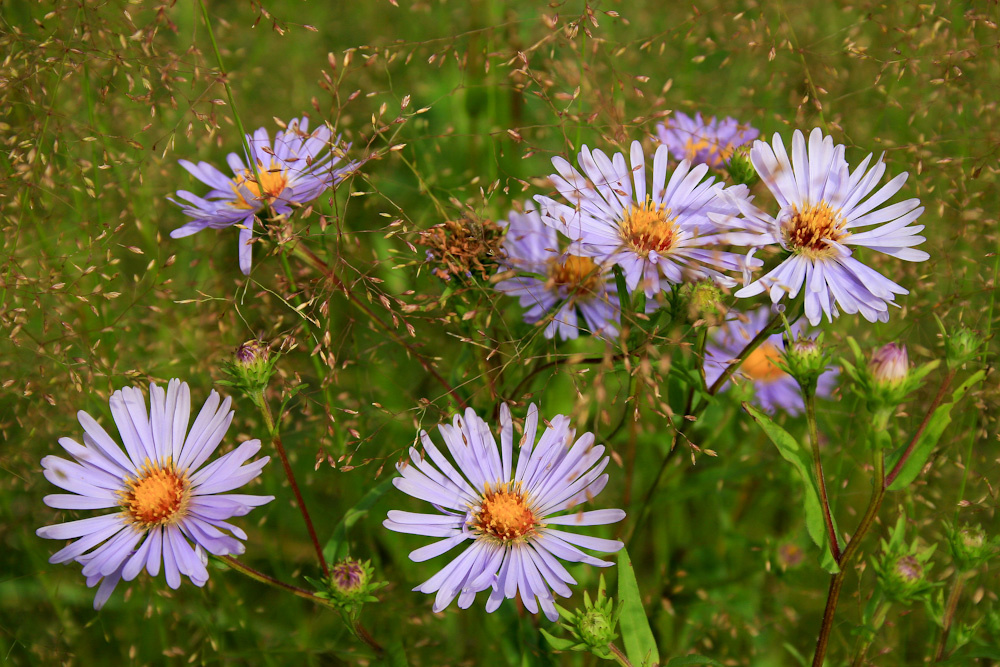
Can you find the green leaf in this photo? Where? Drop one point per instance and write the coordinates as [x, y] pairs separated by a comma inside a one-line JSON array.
[[640, 647], [558, 643], [801, 460], [623, 294], [685, 660], [936, 425], [395, 653], [337, 548]]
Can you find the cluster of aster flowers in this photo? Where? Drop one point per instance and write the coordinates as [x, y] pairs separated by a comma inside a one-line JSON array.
[[677, 227], [662, 228]]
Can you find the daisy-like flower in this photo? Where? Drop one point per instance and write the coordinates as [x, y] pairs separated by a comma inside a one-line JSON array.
[[773, 389], [504, 515], [822, 215], [572, 284], [170, 509], [659, 237], [701, 142], [297, 168]]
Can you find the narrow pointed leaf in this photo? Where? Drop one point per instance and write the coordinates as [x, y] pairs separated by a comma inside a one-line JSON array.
[[936, 426], [640, 647], [801, 460]]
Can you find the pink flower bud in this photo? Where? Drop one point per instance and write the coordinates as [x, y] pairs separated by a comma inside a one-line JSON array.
[[890, 365]]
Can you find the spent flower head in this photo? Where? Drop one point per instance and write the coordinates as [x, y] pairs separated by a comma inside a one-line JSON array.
[[504, 515], [295, 169], [170, 508]]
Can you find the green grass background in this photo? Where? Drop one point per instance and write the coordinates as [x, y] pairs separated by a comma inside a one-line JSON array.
[[99, 100]]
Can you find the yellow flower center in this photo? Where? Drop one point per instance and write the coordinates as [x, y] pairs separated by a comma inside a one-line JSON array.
[[760, 364], [808, 231], [504, 513], [272, 183], [717, 155], [648, 228], [579, 275], [158, 497]]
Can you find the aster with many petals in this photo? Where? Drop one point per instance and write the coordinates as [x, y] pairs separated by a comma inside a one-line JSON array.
[[504, 515], [660, 236], [559, 286], [170, 508], [773, 388], [702, 142], [824, 210], [296, 169]]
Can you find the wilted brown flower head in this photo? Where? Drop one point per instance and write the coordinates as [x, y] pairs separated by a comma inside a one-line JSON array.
[[459, 247]]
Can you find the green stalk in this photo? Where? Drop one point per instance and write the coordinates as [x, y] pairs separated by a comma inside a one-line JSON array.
[[810, 400], [847, 557], [261, 403]]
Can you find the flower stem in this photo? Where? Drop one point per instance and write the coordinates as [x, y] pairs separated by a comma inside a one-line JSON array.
[[260, 577], [619, 657], [847, 557], [809, 391], [365, 636], [878, 618], [276, 440], [754, 343], [690, 410], [949, 614]]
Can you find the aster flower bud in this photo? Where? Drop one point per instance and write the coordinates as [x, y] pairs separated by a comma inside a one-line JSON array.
[[705, 303], [890, 365], [250, 369], [741, 170], [886, 379], [970, 547], [805, 359], [593, 627], [961, 345], [902, 569], [348, 576], [348, 588]]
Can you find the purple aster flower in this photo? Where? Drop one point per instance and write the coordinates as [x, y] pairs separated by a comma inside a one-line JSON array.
[[659, 237], [504, 515], [296, 169], [564, 285], [773, 389], [710, 143], [822, 214], [164, 499]]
